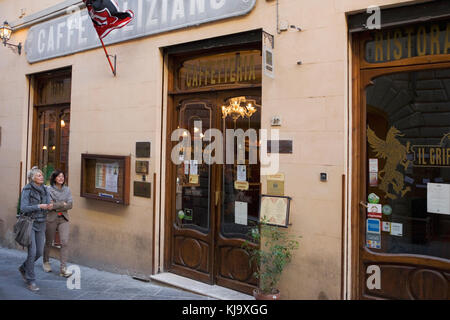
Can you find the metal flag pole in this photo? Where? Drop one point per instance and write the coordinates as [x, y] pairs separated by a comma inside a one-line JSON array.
[[113, 69]]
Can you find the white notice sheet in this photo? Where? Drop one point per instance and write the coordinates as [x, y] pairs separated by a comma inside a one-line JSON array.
[[240, 212], [438, 198], [241, 173], [112, 175]]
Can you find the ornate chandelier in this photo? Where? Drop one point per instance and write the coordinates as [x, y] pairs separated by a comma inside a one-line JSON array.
[[238, 108]]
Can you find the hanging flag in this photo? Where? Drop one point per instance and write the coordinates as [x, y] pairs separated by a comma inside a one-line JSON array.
[[106, 16]]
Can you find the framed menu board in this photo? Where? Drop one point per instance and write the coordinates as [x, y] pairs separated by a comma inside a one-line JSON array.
[[274, 210], [106, 178]]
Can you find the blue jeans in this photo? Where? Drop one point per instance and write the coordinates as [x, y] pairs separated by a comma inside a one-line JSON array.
[[35, 250]]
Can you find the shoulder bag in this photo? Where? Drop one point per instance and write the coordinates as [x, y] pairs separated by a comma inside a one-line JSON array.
[[23, 229]]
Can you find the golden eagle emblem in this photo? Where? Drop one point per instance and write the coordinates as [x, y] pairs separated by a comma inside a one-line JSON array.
[[395, 154]]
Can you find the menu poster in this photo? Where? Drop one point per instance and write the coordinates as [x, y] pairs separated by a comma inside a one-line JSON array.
[[112, 177], [274, 210], [438, 198], [100, 173], [107, 176]]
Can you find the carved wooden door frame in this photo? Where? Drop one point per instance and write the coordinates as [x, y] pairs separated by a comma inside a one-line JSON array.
[[361, 257]]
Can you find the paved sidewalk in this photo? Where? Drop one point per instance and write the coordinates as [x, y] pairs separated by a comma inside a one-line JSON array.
[[95, 284]]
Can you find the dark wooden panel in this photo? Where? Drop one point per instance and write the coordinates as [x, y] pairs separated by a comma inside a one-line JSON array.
[[142, 189], [143, 149], [285, 146], [409, 282], [429, 284], [394, 282], [234, 263], [429, 11], [191, 253], [237, 39]]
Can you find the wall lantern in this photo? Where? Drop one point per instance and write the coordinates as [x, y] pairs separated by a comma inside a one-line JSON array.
[[5, 35]]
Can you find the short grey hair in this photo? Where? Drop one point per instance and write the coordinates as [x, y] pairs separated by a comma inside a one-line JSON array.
[[32, 172]]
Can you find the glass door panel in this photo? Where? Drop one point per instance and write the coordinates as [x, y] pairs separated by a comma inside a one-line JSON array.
[[47, 143], [64, 140], [53, 140], [408, 162], [193, 182], [241, 178]]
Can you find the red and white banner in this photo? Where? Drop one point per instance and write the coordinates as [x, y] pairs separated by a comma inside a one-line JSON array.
[[106, 16]]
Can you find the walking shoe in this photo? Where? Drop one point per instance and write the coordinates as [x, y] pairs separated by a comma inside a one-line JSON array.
[[22, 272], [32, 287], [47, 267], [64, 273]]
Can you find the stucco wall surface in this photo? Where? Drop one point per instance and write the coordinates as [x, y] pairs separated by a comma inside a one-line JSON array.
[[109, 114]]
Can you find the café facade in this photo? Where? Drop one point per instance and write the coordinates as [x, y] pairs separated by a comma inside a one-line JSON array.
[[348, 108]]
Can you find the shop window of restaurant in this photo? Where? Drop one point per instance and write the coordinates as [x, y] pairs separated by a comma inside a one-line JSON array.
[[401, 152], [51, 128], [408, 135]]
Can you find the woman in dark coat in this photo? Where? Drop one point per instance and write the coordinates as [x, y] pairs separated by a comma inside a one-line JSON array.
[[34, 202]]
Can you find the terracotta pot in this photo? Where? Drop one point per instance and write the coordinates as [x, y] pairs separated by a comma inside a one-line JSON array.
[[266, 296]]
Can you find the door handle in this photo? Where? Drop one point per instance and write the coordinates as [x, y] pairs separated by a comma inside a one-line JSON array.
[[217, 198], [363, 204]]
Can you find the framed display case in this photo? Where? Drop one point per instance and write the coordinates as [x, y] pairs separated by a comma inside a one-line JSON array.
[[275, 210], [106, 178]]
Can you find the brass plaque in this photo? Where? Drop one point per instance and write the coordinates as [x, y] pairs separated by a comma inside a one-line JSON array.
[[193, 179], [275, 185], [142, 167], [275, 188], [142, 149], [241, 185], [142, 189]]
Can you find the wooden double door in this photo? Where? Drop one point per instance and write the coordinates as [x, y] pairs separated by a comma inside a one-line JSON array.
[[209, 215]]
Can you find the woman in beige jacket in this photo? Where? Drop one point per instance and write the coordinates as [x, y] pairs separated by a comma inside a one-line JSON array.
[[58, 219]]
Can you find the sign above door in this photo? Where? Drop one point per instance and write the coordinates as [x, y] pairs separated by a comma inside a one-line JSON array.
[[74, 32]]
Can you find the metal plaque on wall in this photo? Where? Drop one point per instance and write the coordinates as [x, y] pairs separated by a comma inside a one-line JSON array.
[[74, 32], [143, 149], [142, 189]]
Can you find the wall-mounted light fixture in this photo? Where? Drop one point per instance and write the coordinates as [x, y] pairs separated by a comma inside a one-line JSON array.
[[5, 35]]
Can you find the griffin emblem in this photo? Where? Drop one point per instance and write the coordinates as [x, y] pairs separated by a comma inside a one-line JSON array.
[[395, 154]]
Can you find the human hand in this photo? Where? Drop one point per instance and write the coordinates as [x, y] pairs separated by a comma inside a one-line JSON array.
[[50, 206], [44, 206]]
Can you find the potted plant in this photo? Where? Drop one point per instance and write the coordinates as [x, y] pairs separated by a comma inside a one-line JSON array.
[[271, 249]]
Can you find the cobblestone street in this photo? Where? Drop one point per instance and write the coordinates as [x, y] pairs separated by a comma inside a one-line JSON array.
[[95, 284]]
